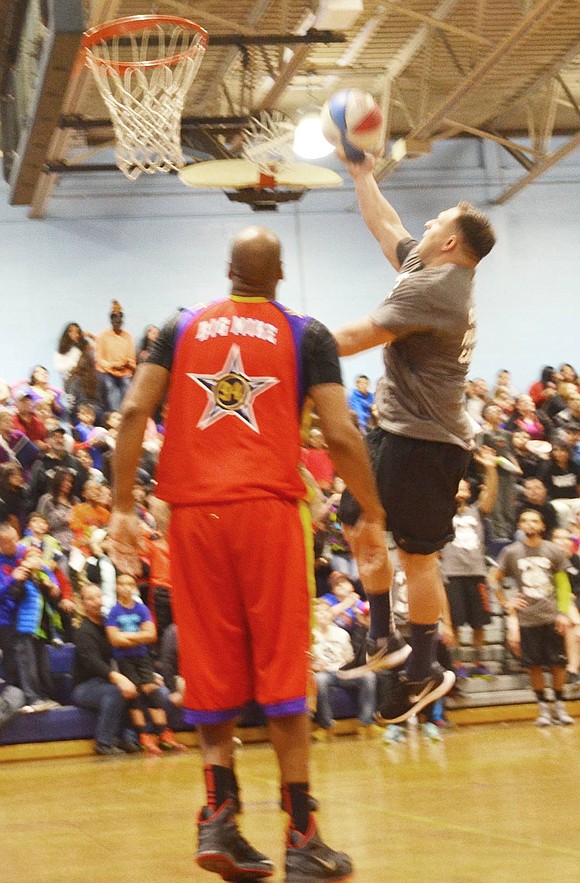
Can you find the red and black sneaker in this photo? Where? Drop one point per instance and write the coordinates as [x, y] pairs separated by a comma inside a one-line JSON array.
[[222, 849], [309, 859]]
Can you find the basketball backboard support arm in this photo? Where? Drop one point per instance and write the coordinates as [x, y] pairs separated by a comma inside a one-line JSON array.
[[57, 59]]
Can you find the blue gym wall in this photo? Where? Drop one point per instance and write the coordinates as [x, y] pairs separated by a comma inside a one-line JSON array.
[[154, 245]]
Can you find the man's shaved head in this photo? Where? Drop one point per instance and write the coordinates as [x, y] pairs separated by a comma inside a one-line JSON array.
[[255, 263]]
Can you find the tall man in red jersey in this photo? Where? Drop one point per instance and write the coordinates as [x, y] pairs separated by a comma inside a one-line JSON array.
[[238, 374]]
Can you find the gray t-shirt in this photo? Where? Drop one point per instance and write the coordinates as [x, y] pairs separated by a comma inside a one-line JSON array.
[[431, 310], [465, 554], [533, 570]]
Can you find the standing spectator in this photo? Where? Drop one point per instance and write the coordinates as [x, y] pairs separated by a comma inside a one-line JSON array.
[[72, 344], [536, 497], [13, 495], [85, 386], [563, 538], [46, 466], [498, 440], [529, 461], [541, 607], [11, 574], [361, 401], [56, 506], [463, 564], [150, 335], [97, 685], [37, 596], [477, 399], [115, 357]]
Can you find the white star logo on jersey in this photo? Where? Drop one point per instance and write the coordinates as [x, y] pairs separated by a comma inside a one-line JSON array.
[[231, 392]]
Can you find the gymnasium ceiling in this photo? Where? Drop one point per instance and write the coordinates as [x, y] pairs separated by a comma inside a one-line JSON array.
[[504, 70]]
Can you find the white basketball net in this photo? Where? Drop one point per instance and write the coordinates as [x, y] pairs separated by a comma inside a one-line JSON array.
[[268, 141], [146, 101]]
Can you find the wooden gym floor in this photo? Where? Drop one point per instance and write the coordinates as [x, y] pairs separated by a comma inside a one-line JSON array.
[[495, 802]]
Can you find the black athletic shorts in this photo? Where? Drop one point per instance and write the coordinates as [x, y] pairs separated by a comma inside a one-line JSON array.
[[542, 646], [138, 669], [468, 601], [417, 481]]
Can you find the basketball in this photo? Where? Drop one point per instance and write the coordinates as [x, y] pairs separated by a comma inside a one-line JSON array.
[[353, 119]]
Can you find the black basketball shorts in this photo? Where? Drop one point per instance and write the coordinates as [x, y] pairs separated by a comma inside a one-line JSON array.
[[417, 481]]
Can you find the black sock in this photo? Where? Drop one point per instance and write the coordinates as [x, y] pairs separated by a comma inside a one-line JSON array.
[[540, 695], [380, 610], [296, 804], [558, 695], [423, 640], [220, 784]]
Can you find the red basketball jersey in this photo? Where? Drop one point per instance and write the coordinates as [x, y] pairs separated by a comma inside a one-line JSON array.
[[234, 407]]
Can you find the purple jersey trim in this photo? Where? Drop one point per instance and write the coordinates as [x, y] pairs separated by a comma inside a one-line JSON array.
[[195, 717], [278, 709], [286, 708], [298, 326]]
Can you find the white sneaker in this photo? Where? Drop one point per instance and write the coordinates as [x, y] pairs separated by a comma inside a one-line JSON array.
[[560, 715], [544, 718]]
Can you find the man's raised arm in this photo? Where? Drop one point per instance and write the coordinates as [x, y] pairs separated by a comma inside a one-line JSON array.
[[378, 214]]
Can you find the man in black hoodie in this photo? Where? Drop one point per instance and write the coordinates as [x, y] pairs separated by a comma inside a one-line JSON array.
[[44, 468]]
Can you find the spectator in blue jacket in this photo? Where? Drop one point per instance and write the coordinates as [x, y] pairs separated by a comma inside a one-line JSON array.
[[361, 401], [10, 575]]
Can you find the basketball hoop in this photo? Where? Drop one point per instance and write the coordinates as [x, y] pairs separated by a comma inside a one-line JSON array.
[[143, 66]]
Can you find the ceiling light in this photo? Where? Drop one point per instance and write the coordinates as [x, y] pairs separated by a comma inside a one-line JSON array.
[[309, 142]]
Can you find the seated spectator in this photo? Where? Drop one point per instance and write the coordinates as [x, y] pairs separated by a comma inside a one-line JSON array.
[[544, 387], [98, 685], [526, 417], [15, 446], [332, 650], [570, 415], [568, 377], [361, 401], [130, 630], [343, 599], [45, 467], [27, 421], [36, 621], [503, 384], [341, 557], [13, 496], [85, 457], [562, 479], [87, 516], [40, 389], [85, 423], [168, 665], [37, 536], [317, 460], [529, 462], [535, 496], [56, 506], [155, 547]]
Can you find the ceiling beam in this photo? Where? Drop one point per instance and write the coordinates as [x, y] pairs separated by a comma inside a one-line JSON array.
[[538, 169]]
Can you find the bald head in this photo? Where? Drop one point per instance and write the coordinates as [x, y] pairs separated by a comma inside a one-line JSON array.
[[255, 263]]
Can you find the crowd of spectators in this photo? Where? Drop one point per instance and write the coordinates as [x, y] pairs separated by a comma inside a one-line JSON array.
[[57, 583]]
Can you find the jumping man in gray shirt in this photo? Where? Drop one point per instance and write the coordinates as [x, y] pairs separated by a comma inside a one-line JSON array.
[[422, 445]]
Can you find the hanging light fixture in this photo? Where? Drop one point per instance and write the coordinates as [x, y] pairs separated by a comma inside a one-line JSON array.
[[309, 142]]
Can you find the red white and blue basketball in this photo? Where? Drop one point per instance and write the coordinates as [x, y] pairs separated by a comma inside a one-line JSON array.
[[353, 119]]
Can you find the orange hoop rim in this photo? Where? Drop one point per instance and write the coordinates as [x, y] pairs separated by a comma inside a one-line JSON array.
[[133, 24]]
